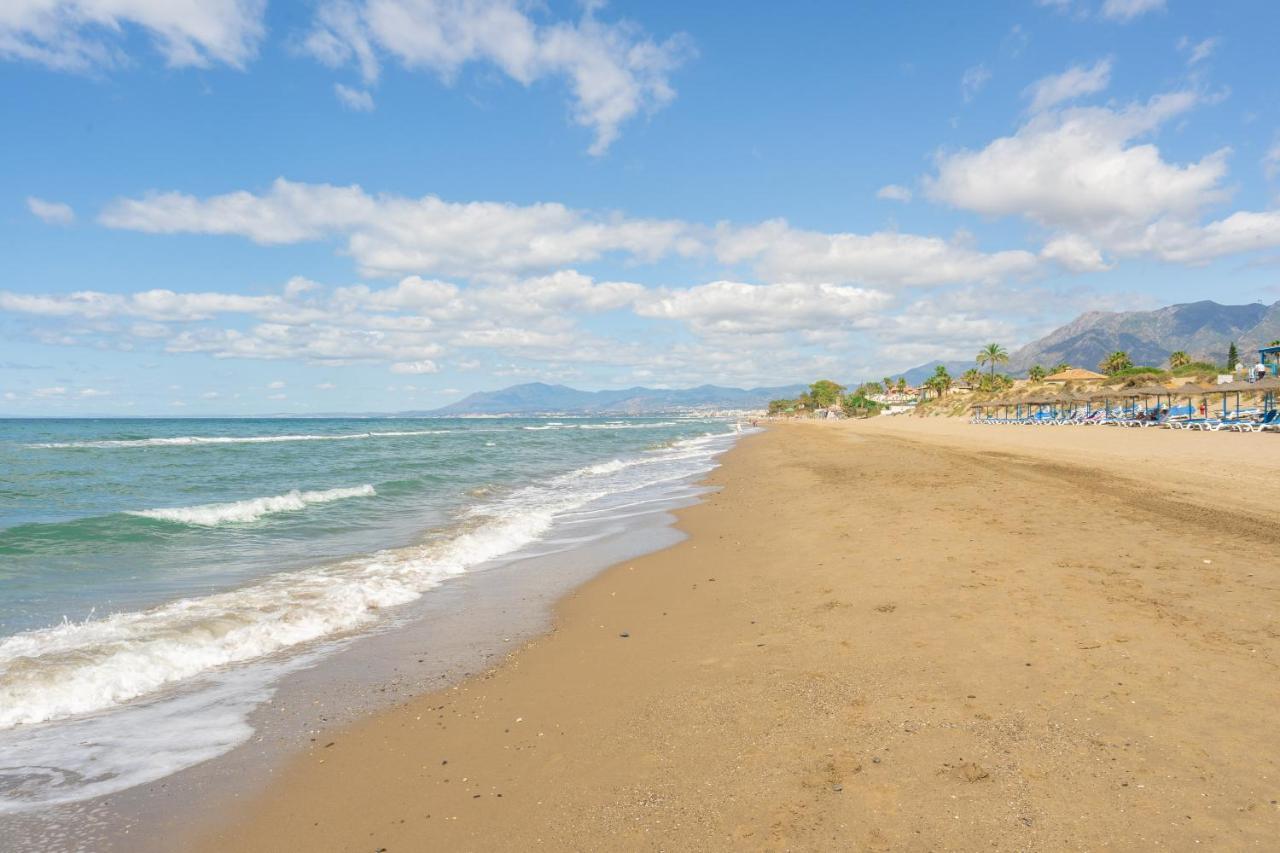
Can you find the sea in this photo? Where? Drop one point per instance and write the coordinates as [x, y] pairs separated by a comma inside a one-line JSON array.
[[159, 577]]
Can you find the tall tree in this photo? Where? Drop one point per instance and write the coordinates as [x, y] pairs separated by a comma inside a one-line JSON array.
[[902, 384], [993, 354], [1233, 357], [825, 393], [940, 382], [1178, 359]]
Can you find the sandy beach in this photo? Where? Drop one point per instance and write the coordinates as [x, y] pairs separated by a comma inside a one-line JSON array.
[[888, 635]]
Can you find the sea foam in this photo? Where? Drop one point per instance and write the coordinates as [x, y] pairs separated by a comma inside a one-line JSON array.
[[81, 667], [211, 515], [197, 440]]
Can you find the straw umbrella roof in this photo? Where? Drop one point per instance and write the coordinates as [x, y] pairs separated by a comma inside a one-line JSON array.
[[1192, 389], [1267, 383]]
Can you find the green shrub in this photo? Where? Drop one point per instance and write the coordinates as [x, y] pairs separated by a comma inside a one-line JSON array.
[[1139, 370], [1196, 368]]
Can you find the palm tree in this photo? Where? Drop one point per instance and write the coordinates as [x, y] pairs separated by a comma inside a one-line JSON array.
[[902, 384], [1178, 359], [993, 354], [1036, 373], [1114, 363], [971, 377], [940, 381]]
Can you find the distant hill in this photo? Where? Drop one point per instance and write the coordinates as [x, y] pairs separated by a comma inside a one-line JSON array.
[[1204, 329], [538, 398]]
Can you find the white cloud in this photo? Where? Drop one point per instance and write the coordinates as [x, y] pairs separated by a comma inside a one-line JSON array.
[[735, 307], [276, 385], [613, 70], [1184, 242], [1084, 174], [1082, 170], [53, 391], [325, 386], [1073, 83], [881, 259], [1127, 10], [360, 100], [894, 192], [314, 342], [80, 35], [1198, 51], [393, 234], [52, 212], [277, 396], [565, 290], [422, 366], [93, 392], [151, 304], [494, 242], [1271, 161], [972, 81], [1075, 253], [210, 395]]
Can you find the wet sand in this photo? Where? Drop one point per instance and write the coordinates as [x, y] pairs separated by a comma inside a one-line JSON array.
[[880, 635]]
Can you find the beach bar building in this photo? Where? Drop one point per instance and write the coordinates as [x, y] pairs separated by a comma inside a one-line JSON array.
[[1270, 356]]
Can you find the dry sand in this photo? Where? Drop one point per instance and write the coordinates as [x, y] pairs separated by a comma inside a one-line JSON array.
[[885, 635]]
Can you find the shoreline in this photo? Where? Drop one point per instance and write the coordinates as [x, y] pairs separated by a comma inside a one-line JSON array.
[[851, 658], [447, 634]]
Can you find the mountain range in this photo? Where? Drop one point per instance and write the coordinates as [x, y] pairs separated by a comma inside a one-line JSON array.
[[1204, 330], [539, 398]]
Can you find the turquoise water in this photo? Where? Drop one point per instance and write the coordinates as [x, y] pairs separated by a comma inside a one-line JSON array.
[[141, 556], [69, 547]]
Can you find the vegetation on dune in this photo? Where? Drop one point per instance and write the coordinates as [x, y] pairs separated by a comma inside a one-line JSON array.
[[1195, 368], [1178, 359], [1140, 370], [1036, 373]]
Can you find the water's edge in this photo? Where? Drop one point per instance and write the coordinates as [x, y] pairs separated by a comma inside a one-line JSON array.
[[466, 625]]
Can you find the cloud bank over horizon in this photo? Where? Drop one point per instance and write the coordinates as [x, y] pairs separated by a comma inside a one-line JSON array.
[[1058, 185]]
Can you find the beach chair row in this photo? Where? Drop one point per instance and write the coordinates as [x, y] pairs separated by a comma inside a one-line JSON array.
[[1244, 421]]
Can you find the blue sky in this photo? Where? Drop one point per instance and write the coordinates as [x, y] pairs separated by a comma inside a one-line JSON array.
[[248, 206]]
